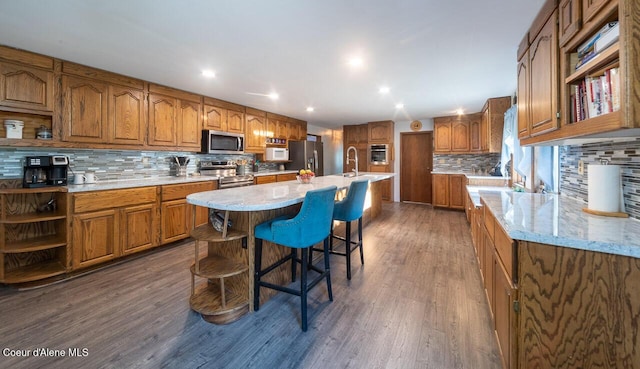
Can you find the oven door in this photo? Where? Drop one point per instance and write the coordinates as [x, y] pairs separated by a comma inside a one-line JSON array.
[[379, 154]]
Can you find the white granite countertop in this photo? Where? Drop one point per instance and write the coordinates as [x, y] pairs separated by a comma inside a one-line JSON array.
[[475, 195], [273, 195], [559, 220], [136, 182]]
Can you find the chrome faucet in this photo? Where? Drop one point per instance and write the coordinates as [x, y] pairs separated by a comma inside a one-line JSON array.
[[355, 151]]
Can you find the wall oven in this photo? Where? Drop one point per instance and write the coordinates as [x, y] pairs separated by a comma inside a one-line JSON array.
[[379, 154], [218, 142]]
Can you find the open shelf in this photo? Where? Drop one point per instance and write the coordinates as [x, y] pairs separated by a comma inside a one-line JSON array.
[[215, 266], [35, 244], [604, 58], [207, 301], [207, 233], [34, 272], [16, 191], [34, 217]]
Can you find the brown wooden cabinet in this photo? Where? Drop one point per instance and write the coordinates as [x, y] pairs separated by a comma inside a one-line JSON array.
[[84, 110], [286, 177], [448, 190], [523, 95], [590, 8], [255, 131], [569, 19], [458, 134], [265, 179], [174, 118], [477, 132], [492, 123], [387, 184], [126, 121], [223, 116], [112, 223], [26, 88], [442, 135], [380, 132], [176, 215], [33, 244]]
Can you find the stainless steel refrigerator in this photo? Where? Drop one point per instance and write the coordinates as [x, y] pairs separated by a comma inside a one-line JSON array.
[[307, 155]]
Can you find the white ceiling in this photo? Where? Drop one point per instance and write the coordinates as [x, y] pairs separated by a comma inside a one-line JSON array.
[[434, 55]]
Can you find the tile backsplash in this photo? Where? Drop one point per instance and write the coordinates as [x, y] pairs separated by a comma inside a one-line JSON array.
[[624, 153], [112, 164], [465, 162]]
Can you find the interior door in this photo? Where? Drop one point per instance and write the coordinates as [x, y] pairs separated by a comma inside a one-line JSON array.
[[416, 161]]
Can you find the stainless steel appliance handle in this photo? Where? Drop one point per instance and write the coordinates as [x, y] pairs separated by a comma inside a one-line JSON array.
[[315, 159], [239, 144]]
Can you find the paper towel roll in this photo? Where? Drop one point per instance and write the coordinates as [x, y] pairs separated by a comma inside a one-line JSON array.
[[605, 188]]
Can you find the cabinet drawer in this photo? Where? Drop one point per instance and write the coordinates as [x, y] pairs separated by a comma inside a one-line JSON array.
[[180, 191], [505, 250], [109, 199]]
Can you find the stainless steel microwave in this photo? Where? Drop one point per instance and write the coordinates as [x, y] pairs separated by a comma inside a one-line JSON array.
[[218, 142]]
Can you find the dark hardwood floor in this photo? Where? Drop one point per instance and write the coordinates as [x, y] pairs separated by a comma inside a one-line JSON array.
[[418, 302]]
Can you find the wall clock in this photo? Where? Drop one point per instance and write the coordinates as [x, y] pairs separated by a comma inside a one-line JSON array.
[[416, 125]]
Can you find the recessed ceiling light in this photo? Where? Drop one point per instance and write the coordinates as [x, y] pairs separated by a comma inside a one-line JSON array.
[[384, 90], [459, 111], [310, 109], [273, 96], [209, 73], [356, 62], [399, 105]]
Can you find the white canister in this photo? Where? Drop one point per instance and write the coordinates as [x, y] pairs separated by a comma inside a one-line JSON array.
[[13, 128], [90, 177]]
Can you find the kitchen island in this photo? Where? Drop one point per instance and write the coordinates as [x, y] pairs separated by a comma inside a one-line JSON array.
[[246, 207]]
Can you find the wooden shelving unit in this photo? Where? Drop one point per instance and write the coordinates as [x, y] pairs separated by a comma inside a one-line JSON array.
[[33, 245], [220, 301]]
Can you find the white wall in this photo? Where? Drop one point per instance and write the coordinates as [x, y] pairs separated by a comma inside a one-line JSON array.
[[404, 126], [332, 147]]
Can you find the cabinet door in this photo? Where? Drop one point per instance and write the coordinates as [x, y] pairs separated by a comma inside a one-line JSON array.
[[442, 136], [302, 130], [569, 21], [440, 185], [84, 110], [294, 132], [523, 96], [286, 177], [543, 64], [505, 316], [380, 132], [163, 115], [387, 184], [591, 7], [26, 88], [255, 132], [138, 228], [126, 120], [176, 220], [489, 277], [235, 121], [215, 118], [349, 136], [95, 238], [456, 191], [460, 136], [202, 215], [189, 124], [264, 179], [478, 133]]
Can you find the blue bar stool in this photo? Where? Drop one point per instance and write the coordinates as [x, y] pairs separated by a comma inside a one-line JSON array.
[[310, 226], [348, 210]]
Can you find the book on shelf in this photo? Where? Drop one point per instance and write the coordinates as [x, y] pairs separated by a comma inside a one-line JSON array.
[[595, 95], [600, 41]]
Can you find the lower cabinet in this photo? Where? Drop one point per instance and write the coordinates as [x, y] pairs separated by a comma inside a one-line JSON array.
[[387, 184], [271, 178], [448, 190], [504, 314], [177, 216], [108, 224]]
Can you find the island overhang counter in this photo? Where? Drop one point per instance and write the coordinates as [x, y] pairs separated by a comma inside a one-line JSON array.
[[224, 297]]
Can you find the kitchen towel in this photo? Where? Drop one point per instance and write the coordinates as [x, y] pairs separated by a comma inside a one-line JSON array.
[[605, 188]]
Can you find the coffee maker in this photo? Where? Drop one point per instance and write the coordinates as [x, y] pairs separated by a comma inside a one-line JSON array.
[[42, 171]]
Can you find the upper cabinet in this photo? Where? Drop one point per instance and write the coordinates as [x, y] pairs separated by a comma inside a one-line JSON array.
[[492, 124], [540, 113], [223, 116], [100, 108], [458, 134], [26, 81], [598, 77], [256, 131], [381, 132], [356, 134], [174, 118]]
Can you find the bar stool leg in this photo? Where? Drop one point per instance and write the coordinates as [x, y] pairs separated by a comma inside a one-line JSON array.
[[257, 271], [360, 239], [327, 268], [347, 249], [303, 289], [294, 255]]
